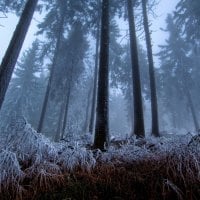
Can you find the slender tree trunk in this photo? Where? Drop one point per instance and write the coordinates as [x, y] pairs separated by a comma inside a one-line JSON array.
[[45, 102], [154, 106], [66, 108], [102, 123], [186, 79], [191, 105], [67, 98], [63, 112], [138, 111], [174, 121], [57, 136], [94, 93], [85, 127], [14, 48]]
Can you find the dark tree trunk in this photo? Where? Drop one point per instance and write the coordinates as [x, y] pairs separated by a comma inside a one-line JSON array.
[[14, 48], [191, 105], [67, 98], [138, 111], [94, 93], [154, 106], [85, 127], [66, 108], [174, 120], [186, 78], [60, 118], [102, 123], [45, 102]]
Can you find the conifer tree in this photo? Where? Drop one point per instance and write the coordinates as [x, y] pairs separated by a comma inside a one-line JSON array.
[[10, 58], [138, 110], [102, 124]]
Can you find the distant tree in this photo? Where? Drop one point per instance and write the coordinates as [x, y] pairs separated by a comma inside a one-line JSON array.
[[58, 38], [121, 77], [70, 66], [177, 69], [61, 16], [138, 110], [87, 111], [187, 16], [14, 5], [94, 92], [25, 89], [102, 126], [154, 106], [10, 58]]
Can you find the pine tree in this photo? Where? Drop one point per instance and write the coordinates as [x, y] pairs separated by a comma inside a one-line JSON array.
[[176, 67], [101, 128], [57, 24], [10, 6], [154, 106], [94, 92], [12, 53], [60, 30], [138, 110], [187, 16], [24, 92]]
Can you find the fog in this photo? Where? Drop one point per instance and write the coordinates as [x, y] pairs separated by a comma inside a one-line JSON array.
[[99, 99], [174, 106]]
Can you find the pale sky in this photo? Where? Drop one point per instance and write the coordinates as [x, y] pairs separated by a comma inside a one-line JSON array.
[[164, 7], [7, 26]]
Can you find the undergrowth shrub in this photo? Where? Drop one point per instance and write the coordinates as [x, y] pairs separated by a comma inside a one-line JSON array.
[[31, 164], [33, 167]]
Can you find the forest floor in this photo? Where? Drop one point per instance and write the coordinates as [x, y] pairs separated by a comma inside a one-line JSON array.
[[33, 167]]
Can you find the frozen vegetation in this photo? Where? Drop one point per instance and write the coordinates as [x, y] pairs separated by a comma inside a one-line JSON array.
[[105, 107], [31, 164]]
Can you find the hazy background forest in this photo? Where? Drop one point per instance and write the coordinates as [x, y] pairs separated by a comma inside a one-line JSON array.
[[80, 76], [172, 117]]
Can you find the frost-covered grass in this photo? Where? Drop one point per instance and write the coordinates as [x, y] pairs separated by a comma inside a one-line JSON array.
[[33, 167], [30, 163]]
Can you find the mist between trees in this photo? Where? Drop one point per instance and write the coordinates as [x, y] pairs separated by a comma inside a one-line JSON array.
[[84, 112], [87, 72]]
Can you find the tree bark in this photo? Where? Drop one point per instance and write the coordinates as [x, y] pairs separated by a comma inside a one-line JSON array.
[[102, 123], [53, 68], [138, 110], [14, 48], [154, 104]]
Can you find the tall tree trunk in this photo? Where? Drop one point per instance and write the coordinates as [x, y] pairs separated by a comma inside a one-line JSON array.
[[186, 79], [174, 120], [94, 93], [14, 48], [85, 127], [191, 105], [60, 119], [67, 98], [138, 111], [102, 123], [56, 53], [66, 108], [154, 106]]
